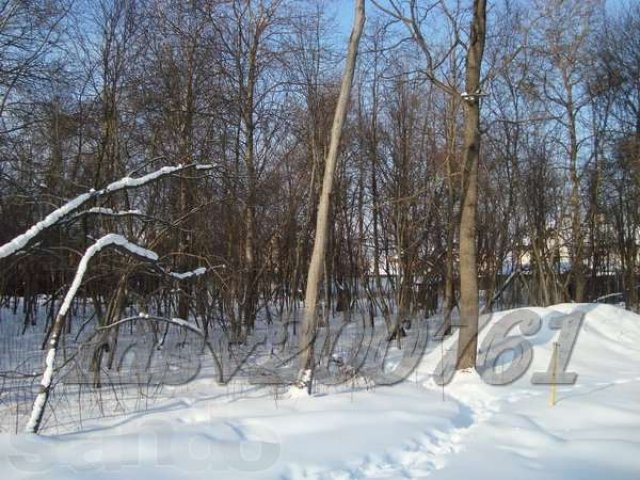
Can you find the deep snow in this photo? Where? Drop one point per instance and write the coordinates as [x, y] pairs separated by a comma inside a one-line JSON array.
[[415, 429]]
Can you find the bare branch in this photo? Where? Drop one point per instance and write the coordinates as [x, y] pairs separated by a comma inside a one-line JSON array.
[[21, 241]]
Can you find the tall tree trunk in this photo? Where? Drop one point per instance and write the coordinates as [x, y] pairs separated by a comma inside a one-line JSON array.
[[449, 292], [310, 319], [250, 271], [578, 274], [469, 309]]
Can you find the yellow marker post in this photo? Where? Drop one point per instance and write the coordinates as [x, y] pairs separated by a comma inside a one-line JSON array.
[[554, 363]]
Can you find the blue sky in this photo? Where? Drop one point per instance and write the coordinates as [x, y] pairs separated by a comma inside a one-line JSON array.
[[344, 14]]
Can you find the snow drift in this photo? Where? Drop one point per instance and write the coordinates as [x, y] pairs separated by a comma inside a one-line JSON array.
[[412, 430]]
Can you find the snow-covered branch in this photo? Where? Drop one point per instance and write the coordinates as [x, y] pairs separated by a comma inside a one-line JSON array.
[[72, 206], [110, 240], [145, 316], [45, 384], [194, 273], [109, 212]]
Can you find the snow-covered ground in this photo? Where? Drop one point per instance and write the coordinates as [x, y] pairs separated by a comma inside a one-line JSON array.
[[415, 429]]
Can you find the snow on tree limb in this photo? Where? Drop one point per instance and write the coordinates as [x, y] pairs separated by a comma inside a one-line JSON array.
[[109, 212], [103, 242], [145, 316], [194, 273], [38, 405], [110, 240], [21, 241]]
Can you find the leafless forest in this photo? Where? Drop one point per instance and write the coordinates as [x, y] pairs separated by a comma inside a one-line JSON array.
[[488, 157]]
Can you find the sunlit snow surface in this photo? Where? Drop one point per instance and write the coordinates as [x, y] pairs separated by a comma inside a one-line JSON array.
[[412, 430]]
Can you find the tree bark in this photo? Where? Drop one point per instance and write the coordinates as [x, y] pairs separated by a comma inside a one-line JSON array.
[[469, 308], [310, 318]]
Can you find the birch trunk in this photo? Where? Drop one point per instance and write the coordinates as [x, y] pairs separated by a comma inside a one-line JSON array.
[[310, 318]]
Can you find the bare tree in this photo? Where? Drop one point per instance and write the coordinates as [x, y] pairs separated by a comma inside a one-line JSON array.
[[310, 319], [469, 309], [413, 15]]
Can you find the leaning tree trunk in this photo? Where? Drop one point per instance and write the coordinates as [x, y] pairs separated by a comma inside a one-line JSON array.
[[108, 241], [310, 319], [469, 309]]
